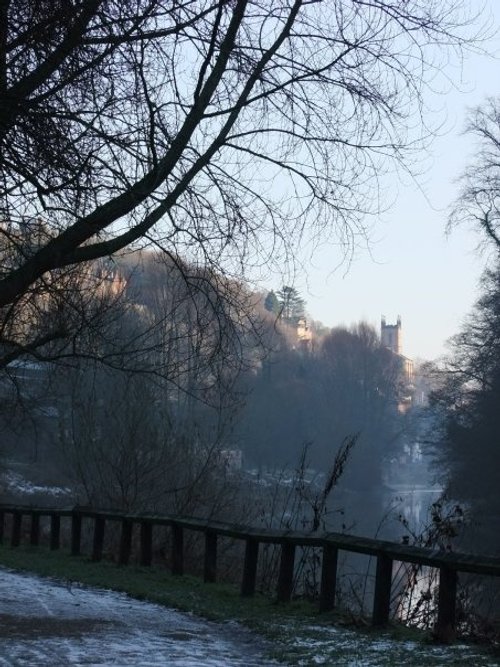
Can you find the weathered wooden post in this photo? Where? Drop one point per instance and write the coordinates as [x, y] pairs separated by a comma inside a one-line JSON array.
[[146, 543], [98, 542], [76, 532], [250, 567], [210, 569], [177, 549], [125, 542], [34, 529], [285, 577], [15, 537], [328, 578], [382, 596], [445, 627], [55, 531]]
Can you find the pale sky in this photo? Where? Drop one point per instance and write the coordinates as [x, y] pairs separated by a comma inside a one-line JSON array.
[[415, 270]]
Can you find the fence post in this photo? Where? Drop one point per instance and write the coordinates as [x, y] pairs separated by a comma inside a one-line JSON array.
[[55, 531], [76, 533], [382, 596], [125, 542], [328, 578], [15, 537], [34, 529], [445, 627], [250, 567], [98, 543], [210, 569], [177, 549], [285, 577], [146, 543]]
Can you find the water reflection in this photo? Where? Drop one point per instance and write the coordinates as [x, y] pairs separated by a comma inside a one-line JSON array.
[[413, 503]]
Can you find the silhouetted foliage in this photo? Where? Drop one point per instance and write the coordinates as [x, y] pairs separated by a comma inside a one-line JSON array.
[[217, 131], [468, 404]]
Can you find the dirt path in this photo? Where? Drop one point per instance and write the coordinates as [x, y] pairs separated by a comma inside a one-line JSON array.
[[43, 622]]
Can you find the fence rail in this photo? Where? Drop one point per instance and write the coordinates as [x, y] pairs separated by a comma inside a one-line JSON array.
[[386, 553]]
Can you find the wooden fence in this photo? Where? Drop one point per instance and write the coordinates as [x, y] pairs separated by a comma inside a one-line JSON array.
[[386, 553]]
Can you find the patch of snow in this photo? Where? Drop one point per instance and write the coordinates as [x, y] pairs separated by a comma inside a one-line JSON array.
[[334, 645], [52, 624], [49, 411], [17, 484]]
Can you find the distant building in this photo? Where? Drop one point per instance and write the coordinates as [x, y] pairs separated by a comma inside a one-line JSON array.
[[304, 334], [391, 336], [111, 280]]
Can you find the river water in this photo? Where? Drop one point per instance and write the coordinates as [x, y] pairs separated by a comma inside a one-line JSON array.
[[413, 502]]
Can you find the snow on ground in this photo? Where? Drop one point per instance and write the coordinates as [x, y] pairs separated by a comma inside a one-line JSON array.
[[44, 622], [342, 647], [15, 483]]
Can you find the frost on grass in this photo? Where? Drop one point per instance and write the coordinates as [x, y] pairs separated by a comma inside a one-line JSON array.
[[342, 647]]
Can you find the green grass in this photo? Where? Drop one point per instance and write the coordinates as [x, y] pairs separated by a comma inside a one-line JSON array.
[[296, 632], [217, 602]]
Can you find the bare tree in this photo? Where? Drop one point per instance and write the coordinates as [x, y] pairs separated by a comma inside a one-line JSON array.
[[479, 199], [215, 130], [125, 443], [153, 439], [192, 324], [466, 428], [72, 313]]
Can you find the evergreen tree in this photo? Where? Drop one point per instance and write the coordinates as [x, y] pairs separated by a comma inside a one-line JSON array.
[[292, 305], [271, 303]]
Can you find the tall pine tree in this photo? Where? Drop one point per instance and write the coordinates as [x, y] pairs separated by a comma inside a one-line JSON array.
[[292, 305]]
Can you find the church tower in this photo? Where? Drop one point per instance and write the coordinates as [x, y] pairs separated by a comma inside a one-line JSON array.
[[391, 335]]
